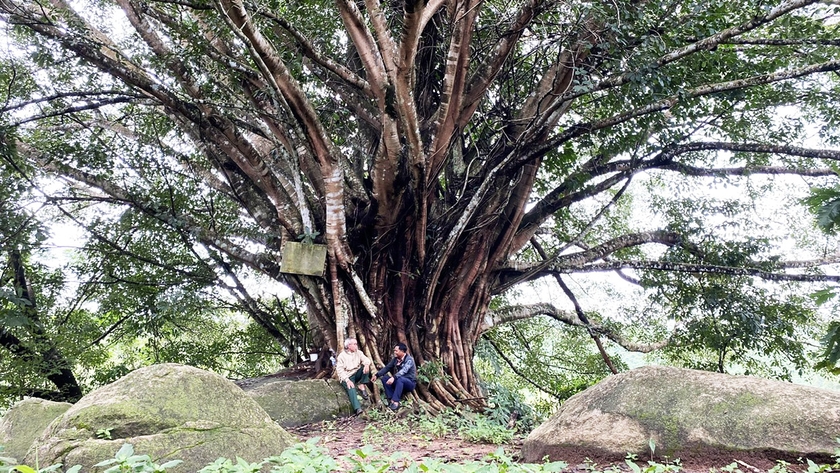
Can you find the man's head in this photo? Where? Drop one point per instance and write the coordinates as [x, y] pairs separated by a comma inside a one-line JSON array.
[[399, 350], [351, 345]]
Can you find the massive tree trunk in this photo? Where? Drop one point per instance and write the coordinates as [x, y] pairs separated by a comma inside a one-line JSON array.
[[425, 143]]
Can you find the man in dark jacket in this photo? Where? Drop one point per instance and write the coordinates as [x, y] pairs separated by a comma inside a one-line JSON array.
[[405, 376]]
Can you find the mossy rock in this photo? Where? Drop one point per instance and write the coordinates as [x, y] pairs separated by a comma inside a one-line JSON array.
[[25, 422], [297, 402], [168, 412], [688, 412]]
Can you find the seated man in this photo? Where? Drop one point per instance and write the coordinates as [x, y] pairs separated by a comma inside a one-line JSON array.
[[405, 376], [353, 370]]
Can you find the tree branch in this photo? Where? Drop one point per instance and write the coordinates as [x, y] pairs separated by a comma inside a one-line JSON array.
[[308, 49], [563, 195], [698, 269], [704, 44], [522, 312], [518, 372], [670, 102], [601, 251]]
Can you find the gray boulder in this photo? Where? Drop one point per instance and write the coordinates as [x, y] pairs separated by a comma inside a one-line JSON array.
[[291, 403], [168, 412], [688, 413], [25, 421]]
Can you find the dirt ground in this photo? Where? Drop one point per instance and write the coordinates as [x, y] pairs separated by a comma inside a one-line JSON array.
[[380, 429], [344, 436]]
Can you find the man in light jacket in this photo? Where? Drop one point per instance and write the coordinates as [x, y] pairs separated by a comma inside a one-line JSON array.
[[353, 370]]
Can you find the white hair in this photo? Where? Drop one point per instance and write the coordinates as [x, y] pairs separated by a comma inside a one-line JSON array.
[[348, 341]]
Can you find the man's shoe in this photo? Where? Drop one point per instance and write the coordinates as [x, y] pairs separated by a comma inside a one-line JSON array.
[[364, 394], [358, 411], [394, 406]]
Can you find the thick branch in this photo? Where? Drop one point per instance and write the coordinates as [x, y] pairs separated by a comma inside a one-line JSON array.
[[670, 102], [522, 312], [347, 76], [489, 70], [601, 251], [699, 269], [563, 195]]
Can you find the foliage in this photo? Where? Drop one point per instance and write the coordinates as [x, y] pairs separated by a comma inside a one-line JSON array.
[[727, 323], [111, 308], [445, 156], [484, 430], [436, 426], [308, 457], [432, 370], [506, 408], [32, 329], [831, 355], [555, 361], [125, 461], [824, 203]]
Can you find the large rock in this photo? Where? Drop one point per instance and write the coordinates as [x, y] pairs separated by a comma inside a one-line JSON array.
[[24, 422], [687, 413], [165, 411], [291, 402]]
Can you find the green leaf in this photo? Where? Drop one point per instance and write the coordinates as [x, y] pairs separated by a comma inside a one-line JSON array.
[[125, 452]]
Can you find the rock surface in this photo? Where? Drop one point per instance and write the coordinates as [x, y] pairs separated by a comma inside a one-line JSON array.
[[689, 413], [168, 412], [25, 421], [297, 402]]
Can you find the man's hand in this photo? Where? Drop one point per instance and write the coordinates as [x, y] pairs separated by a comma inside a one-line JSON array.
[[390, 381], [366, 369], [350, 384]]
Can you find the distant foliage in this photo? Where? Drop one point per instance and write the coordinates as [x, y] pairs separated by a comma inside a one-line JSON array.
[[537, 363]]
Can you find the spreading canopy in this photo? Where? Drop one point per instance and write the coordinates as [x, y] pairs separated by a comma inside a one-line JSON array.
[[444, 151]]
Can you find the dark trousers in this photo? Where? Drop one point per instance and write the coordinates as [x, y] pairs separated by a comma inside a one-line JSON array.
[[359, 377], [400, 386]]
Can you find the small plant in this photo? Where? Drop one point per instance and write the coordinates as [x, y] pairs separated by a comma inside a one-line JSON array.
[[224, 465], [375, 415], [506, 408], [590, 465], [125, 461], [483, 430], [815, 468], [731, 468], [432, 370], [104, 434], [367, 460], [372, 434], [438, 426], [307, 457], [781, 466]]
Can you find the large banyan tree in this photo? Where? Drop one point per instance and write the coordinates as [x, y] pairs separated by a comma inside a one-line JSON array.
[[443, 151]]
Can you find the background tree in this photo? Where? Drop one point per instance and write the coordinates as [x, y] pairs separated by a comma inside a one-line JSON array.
[[429, 145], [26, 292], [66, 327]]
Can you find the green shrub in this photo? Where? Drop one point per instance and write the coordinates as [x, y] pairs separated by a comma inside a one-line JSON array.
[[504, 404], [484, 430]]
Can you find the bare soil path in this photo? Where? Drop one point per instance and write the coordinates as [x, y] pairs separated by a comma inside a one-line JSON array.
[[388, 435]]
